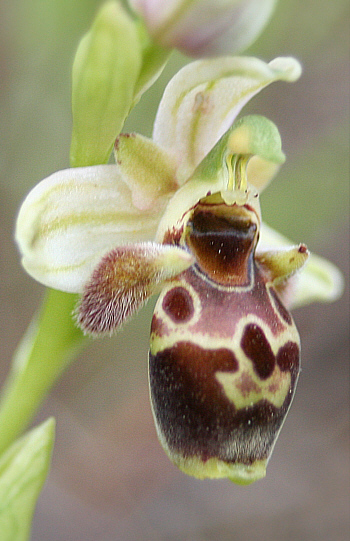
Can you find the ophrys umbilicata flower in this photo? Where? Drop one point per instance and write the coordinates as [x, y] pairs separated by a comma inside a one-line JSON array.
[[180, 214]]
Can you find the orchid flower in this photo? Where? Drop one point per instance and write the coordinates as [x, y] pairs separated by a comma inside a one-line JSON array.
[[117, 234], [205, 28]]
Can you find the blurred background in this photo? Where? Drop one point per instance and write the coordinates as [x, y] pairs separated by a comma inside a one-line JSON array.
[[110, 479]]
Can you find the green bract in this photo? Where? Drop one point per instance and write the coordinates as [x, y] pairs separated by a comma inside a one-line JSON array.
[[105, 71], [154, 58], [23, 470]]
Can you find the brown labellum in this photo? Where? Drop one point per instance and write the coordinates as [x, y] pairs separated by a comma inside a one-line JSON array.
[[224, 358]]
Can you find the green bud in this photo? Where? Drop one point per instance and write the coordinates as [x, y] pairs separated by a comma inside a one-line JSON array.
[[105, 70]]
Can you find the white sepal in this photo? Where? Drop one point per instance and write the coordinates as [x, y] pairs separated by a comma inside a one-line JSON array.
[[70, 219]]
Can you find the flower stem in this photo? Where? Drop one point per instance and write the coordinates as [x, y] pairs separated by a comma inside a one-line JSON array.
[[50, 343]]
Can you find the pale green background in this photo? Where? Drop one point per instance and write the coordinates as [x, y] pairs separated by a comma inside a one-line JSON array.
[[110, 478]]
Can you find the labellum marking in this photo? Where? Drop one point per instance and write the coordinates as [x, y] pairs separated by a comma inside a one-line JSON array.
[[178, 304], [257, 348], [287, 357]]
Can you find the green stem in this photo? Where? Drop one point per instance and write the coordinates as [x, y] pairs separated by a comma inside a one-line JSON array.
[[50, 343]]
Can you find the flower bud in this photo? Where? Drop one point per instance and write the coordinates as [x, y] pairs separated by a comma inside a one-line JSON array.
[[205, 27]]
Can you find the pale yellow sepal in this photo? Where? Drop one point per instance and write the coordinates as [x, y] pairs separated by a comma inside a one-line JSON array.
[[148, 170]]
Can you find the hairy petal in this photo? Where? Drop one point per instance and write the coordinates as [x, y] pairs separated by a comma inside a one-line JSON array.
[[201, 102], [319, 280], [70, 219], [281, 264], [122, 282]]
